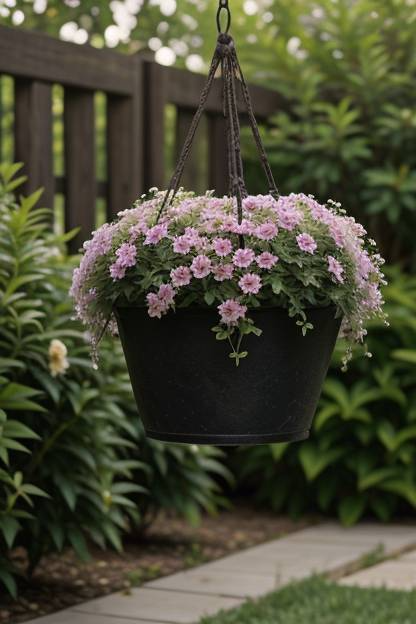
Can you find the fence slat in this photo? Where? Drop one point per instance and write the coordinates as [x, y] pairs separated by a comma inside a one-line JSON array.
[[192, 174], [79, 132], [217, 150], [154, 92], [183, 89], [40, 57], [33, 136], [124, 148]]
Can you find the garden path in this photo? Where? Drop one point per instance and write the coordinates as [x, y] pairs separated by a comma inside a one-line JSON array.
[[398, 573], [184, 597]]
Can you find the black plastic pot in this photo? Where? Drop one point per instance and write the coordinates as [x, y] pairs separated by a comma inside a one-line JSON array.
[[188, 390]]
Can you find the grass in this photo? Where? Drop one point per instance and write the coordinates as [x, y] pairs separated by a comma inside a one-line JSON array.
[[317, 601]]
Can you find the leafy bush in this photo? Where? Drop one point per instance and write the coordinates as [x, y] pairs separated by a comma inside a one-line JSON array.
[[360, 457], [75, 466], [348, 72], [74, 423], [182, 479]]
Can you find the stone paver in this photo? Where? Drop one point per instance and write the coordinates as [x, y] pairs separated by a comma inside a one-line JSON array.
[[393, 574], [184, 597], [71, 617], [178, 607], [219, 582]]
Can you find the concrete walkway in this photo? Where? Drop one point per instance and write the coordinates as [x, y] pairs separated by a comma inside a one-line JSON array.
[[398, 573], [184, 597]]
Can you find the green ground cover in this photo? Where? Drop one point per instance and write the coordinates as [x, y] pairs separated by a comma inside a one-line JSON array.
[[317, 601]]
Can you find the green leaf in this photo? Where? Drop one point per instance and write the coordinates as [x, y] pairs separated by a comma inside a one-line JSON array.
[[16, 429], [8, 581], [79, 544], [351, 509], [209, 298], [9, 527], [314, 459], [33, 490], [405, 355], [376, 477]]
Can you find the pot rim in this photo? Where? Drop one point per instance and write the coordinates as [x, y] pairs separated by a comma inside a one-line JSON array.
[[201, 309]]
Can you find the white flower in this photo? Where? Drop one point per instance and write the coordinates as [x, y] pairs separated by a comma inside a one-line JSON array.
[[58, 362]]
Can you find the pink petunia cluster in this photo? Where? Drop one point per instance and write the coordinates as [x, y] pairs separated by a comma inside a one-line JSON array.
[[231, 311], [194, 254]]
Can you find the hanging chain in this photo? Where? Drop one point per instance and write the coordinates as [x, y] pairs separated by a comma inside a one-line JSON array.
[[226, 56], [223, 6]]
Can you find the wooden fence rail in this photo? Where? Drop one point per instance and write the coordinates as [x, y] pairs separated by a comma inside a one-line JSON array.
[[137, 92]]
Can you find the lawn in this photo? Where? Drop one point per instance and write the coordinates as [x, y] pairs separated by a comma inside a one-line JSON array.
[[317, 601]]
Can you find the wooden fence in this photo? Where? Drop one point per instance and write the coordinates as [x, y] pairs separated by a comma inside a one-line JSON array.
[[137, 92]]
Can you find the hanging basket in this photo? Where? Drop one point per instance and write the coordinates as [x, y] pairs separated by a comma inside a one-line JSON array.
[[189, 278], [188, 390]]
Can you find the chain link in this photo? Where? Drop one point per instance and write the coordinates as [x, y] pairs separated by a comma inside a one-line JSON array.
[[223, 6]]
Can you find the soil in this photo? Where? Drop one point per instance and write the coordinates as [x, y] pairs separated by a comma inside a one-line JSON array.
[[169, 545]]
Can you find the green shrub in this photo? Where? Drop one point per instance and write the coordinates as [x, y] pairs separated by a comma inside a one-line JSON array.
[[74, 463], [360, 456], [76, 431], [348, 71], [182, 479]]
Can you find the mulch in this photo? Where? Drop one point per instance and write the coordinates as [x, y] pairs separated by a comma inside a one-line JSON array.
[[169, 545]]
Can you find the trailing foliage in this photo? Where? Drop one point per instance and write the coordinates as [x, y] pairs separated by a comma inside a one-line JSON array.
[[360, 457], [74, 463]]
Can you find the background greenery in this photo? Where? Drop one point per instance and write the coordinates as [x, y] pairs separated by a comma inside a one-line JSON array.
[[360, 457], [85, 419], [346, 71], [346, 130]]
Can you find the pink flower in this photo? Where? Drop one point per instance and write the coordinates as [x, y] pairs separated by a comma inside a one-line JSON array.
[[243, 257], [223, 272], [364, 265], [250, 283], [337, 234], [250, 203], [155, 306], [181, 276], [126, 255], [182, 244], [156, 233], [117, 271], [192, 234], [230, 311], [201, 266], [288, 215], [266, 260], [266, 231], [335, 268], [202, 243], [166, 294], [374, 299], [306, 243], [222, 246], [245, 227]]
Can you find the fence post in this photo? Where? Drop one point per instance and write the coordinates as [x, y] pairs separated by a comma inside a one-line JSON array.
[[33, 136], [217, 150], [124, 145], [154, 96], [80, 174]]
